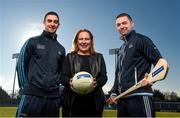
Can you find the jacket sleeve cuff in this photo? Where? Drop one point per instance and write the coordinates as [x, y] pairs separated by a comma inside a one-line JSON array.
[[113, 94]]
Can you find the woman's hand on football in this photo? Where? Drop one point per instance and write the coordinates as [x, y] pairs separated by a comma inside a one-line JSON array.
[[94, 82]]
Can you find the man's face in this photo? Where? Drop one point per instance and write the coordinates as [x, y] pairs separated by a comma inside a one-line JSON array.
[[124, 25], [51, 23]]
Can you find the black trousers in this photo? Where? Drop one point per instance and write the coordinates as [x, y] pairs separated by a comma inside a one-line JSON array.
[[82, 106], [34, 106], [136, 106]]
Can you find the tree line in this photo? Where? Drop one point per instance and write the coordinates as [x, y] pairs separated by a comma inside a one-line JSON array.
[[7, 100]]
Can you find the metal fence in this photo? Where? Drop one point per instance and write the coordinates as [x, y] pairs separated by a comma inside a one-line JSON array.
[[167, 106]]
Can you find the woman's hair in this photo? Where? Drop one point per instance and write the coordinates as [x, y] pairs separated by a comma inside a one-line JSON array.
[[75, 46]]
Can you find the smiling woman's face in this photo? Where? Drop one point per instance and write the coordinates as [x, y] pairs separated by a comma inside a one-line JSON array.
[[84, 43]]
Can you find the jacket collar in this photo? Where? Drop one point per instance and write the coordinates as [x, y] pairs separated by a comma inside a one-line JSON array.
[[127, 37], [49, 35]]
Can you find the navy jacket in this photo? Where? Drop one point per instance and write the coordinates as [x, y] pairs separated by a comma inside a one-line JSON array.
[[135, 58], [39, 65]]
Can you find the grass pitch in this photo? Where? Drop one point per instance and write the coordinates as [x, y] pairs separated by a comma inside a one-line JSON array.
[[11, 112]]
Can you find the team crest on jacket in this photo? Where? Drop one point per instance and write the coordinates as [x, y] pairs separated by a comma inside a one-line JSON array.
[[41, 46], [59, 52], [130, 45]]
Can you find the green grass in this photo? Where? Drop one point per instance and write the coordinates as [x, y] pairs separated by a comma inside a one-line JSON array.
[[109, 113], [112, 113], [11, 111], [8, 111]]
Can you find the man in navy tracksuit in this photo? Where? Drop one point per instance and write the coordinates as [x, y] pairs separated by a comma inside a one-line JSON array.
[[135, 58], [39, 70]]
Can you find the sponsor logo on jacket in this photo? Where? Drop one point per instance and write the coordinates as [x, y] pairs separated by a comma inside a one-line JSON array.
[[41, 46]]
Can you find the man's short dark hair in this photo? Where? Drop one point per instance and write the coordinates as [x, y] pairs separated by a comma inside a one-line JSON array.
[[124, 14], [51, 13]]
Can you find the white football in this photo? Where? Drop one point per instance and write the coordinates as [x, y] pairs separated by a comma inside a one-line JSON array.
[[82, 83]]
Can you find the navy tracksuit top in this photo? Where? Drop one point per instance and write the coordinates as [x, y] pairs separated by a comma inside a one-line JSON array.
[[40, 65], [135, 58]]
